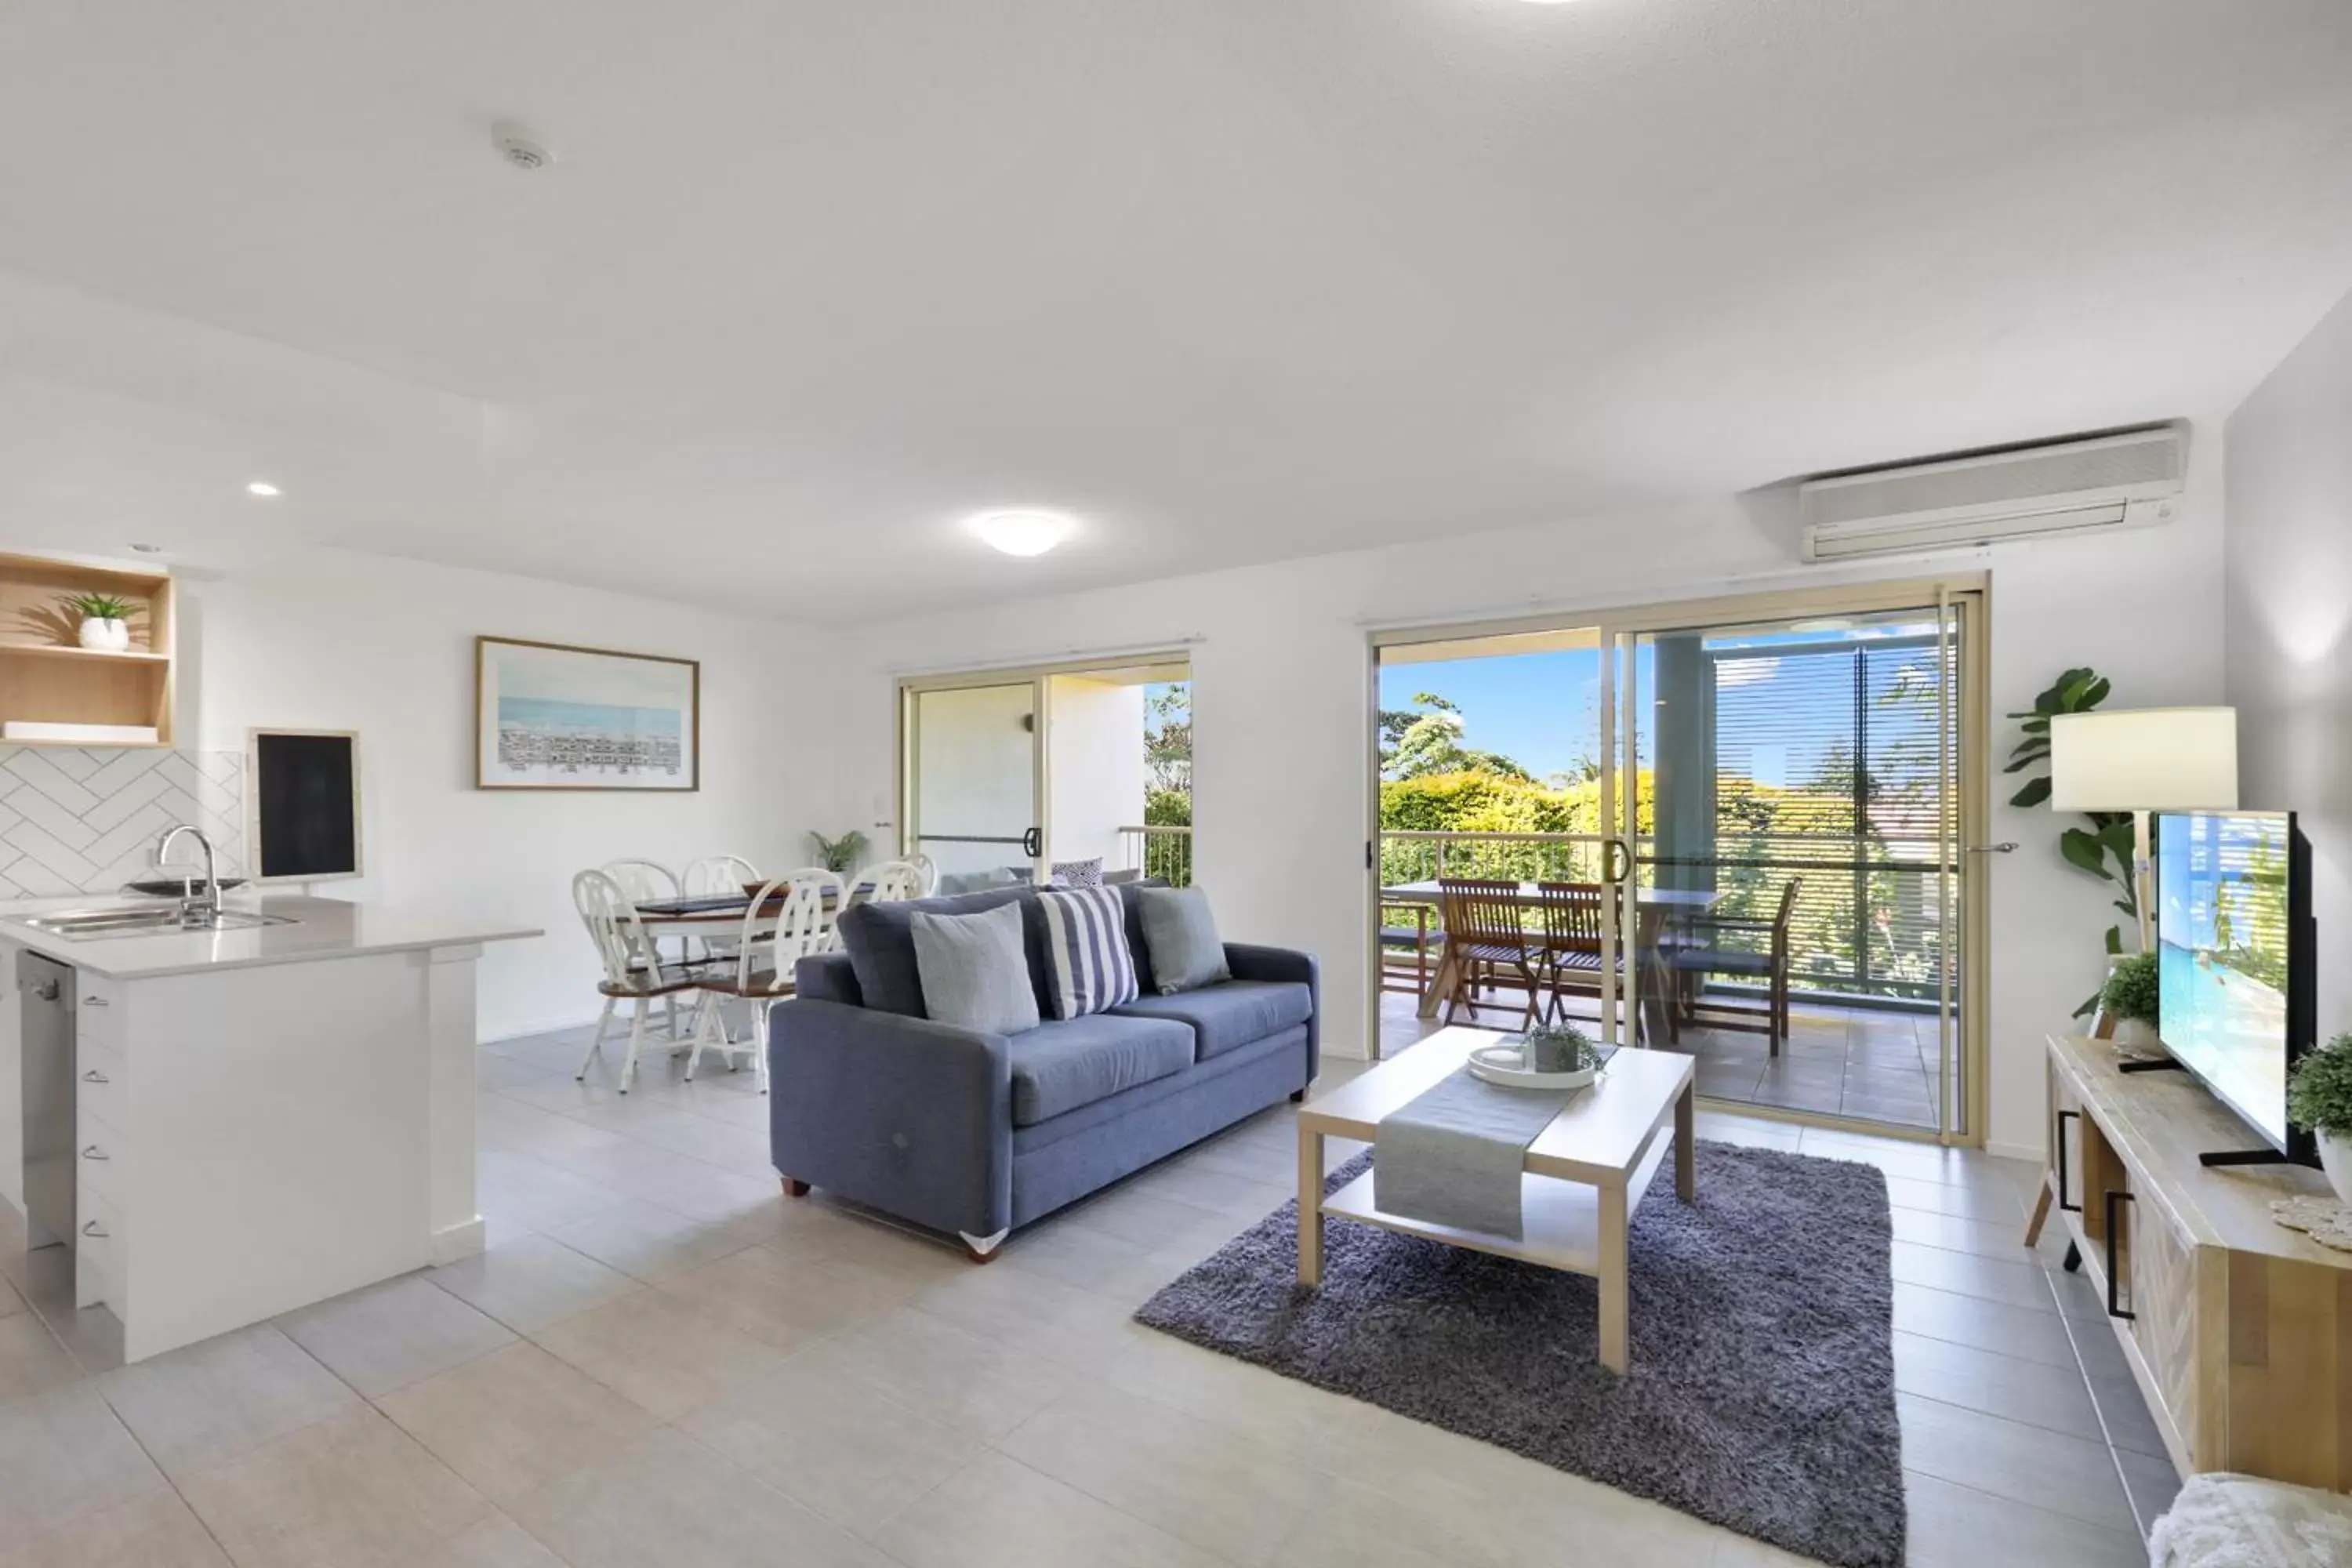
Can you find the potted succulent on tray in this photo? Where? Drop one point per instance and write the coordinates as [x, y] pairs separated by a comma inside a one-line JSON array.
[[1549, 1056], [2130, 998], [105, 620], [2319, 1097]]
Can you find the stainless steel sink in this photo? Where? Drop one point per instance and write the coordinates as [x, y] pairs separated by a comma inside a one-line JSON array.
[[146, 919]]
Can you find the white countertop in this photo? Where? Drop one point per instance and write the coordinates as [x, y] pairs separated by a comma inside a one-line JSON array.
[[319, 929]]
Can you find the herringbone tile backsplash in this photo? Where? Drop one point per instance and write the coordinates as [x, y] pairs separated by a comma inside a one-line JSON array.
[[85, 820]]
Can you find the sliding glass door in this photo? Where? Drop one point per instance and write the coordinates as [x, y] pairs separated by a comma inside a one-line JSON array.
[[1771, 799], [974, 777], [1790, 794], [1004, 773]]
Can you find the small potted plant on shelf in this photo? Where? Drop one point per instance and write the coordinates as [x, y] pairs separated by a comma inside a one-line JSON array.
[[105, 620], [2319, 1097], [2130, 998]]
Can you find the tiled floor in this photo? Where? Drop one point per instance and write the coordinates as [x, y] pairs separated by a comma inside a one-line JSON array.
[[1865, 1064], [661, 1360]]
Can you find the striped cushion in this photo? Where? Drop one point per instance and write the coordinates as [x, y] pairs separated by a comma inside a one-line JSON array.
[[1088, 968]]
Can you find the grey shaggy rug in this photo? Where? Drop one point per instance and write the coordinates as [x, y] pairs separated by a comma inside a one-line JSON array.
[[1763, 1391]]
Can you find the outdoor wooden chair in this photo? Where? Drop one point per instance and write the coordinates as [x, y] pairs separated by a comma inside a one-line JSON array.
[[1488, 943], [1707, 952], [1408, 945], [1575, 914]]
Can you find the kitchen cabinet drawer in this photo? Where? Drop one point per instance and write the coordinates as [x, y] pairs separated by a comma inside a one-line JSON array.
[[98, 1009], [98, 1255], [101, 1155], [100, 1087]]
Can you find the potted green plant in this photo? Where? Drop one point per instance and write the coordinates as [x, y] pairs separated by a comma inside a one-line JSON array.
[[2130, 998], [2319, 1097], [105, 620], [840, 855]]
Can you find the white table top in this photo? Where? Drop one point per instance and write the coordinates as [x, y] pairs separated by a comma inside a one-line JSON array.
[[1601, 1134], [319, 929]]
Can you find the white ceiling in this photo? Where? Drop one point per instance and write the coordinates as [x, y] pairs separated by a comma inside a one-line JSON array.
[[1234, 280]]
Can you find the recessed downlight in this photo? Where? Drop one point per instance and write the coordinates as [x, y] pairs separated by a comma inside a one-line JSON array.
[[261, 488], [1023, 530]]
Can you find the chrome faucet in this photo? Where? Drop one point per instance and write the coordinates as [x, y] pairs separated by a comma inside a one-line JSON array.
[[193, 911]]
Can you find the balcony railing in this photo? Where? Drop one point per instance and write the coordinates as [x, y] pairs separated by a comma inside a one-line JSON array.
[[1867, 921], [1158, 851]]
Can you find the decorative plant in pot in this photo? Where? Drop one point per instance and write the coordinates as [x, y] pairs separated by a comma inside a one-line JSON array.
[[840, 855], [1549, 1056], [2319, 1097], [2130, 997], [105, 620]]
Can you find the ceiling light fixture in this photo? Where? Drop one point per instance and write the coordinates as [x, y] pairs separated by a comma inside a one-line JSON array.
[[148, 549], [261, 488], [1024, 530]]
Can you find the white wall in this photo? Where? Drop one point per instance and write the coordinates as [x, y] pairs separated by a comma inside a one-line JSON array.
[[2289, 594], [1281, 692], [1095, 764], [386, 648]]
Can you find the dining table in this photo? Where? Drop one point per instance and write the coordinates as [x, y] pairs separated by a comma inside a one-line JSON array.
[[1653, 906]]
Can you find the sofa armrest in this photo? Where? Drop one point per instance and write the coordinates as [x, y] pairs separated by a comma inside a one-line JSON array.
[[907, 1115], [1248, 960]]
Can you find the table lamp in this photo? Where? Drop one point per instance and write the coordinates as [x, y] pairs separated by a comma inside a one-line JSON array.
[[2140, 761]]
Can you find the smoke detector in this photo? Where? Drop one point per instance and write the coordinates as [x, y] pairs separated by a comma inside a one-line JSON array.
[[518, 146]]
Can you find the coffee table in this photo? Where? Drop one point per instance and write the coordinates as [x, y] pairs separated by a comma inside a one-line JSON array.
[[1584, 1174]]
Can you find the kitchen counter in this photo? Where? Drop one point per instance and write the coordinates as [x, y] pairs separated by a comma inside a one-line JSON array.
[[321, 929], [209, 1129]]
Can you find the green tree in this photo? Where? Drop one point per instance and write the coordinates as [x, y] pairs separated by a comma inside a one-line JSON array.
[[1425, 740], [1168, 739]]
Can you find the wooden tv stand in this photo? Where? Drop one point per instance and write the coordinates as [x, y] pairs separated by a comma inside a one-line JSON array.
[[2238, 1330]]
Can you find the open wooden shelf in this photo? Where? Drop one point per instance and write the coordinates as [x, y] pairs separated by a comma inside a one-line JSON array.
[[44, 650], [46, 676]]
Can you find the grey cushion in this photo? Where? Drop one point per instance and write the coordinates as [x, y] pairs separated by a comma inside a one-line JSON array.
[[1130, 894], [881, 945], [956, 882], [1228, 1016], [1181, 933], [974, 969], [1059, 1066]]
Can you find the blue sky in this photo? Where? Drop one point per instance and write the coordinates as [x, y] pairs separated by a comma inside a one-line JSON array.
[[1540, 708]]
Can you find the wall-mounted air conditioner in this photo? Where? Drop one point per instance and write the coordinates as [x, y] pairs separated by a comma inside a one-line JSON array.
[[2130, 480]]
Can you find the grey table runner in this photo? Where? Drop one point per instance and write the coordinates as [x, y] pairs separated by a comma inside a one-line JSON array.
[[1453, 1154]]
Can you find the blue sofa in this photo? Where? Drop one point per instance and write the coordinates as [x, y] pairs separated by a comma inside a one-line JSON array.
[[979, 1134]]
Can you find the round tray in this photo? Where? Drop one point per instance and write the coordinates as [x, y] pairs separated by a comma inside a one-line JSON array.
[[1500, 1065]]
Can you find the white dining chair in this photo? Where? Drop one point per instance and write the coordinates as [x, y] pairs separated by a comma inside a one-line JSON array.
[[634, 970], [930, 869], [716, 874], [768, 949], [642, 881], [892, 882]]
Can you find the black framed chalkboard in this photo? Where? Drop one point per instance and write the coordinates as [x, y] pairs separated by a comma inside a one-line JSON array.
[[304, 788]]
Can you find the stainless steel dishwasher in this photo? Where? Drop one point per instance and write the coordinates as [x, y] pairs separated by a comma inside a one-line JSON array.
[[50, 1176]]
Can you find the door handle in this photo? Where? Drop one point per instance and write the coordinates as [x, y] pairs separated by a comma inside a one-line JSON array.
[[95, 1231], [1033, 843], [2070, 1208], [95, 1152], [46, 990], [2008, 846], [2115, 1196], [95, 1002], [94, 1075]]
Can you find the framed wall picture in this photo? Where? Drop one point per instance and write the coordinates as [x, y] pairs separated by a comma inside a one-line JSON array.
[[549, 716], [303, 795]]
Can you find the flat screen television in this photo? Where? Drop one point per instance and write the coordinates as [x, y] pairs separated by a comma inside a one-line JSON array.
[[2237, 950]]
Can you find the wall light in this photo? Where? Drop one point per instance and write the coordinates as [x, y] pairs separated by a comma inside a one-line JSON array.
[[1022, 531]]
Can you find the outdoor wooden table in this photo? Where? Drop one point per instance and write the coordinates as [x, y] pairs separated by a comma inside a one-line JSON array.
[[1652, 904]]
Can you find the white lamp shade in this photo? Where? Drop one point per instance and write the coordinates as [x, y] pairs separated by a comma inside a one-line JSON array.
[[2149, 759]]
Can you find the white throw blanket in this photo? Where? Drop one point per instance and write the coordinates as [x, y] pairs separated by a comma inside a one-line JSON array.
[[2225, 1521]]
